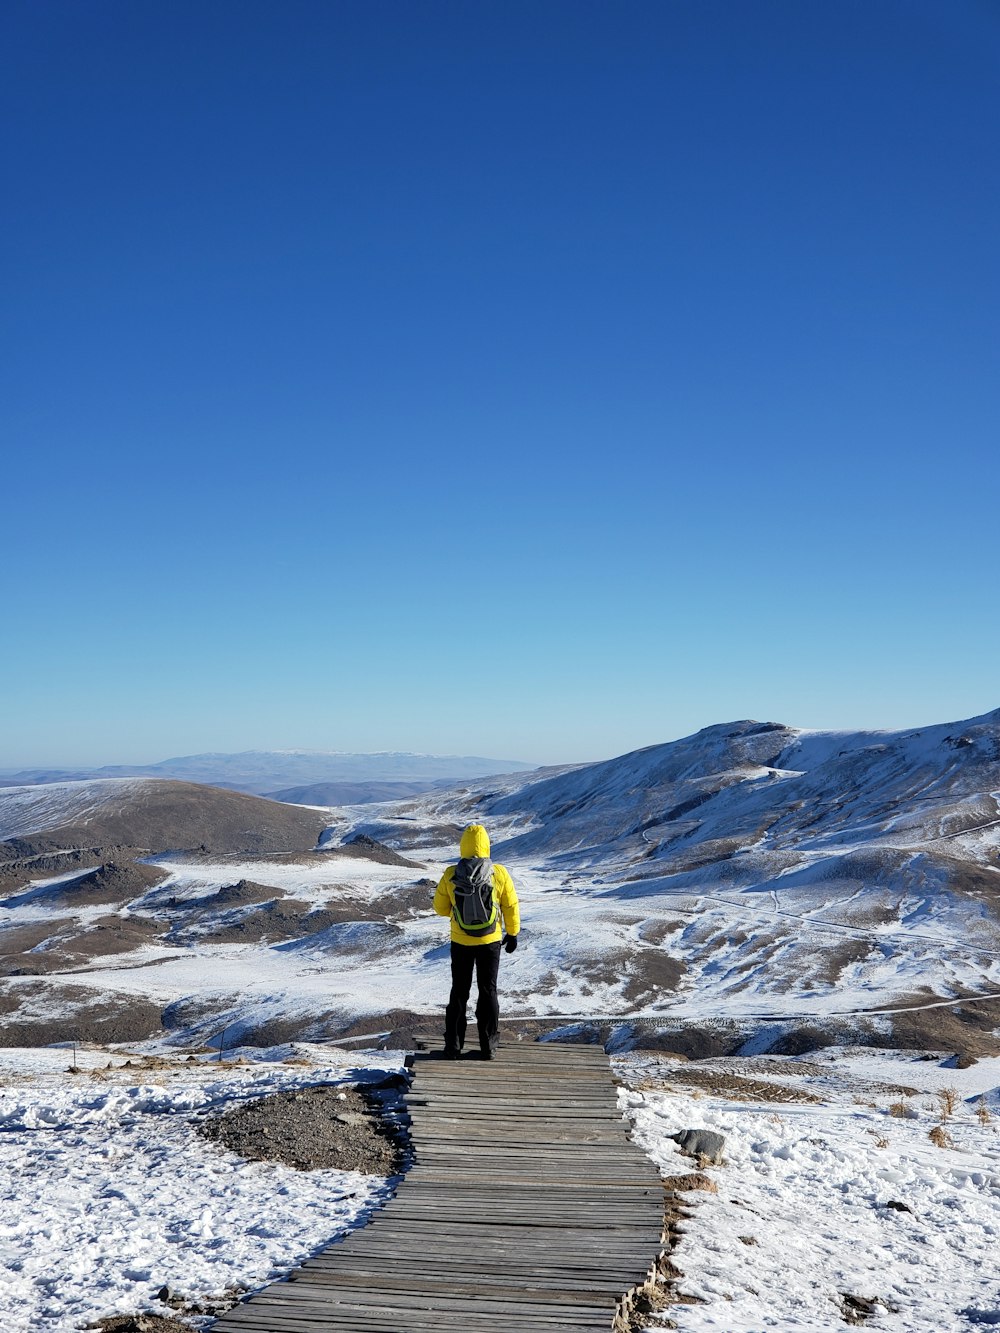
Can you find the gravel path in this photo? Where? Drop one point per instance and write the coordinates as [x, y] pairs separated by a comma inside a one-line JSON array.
[[310, 1129]]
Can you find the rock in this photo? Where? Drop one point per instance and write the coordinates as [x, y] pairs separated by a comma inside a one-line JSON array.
[[897, 1207], [857, 1309], [704, 1144]]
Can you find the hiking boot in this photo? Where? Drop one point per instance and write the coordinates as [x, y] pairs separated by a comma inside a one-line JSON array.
[[452, 1052]]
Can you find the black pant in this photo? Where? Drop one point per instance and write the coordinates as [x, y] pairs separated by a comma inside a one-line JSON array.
[[485, 959]]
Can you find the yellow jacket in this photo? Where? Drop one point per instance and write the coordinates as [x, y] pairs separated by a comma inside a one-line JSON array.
[[476, 842]]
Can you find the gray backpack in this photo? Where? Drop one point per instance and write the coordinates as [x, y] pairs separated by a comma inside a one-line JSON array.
[[476, 910]]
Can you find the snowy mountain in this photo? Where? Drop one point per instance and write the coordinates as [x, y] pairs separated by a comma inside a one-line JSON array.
[[752, 876], [264, 771], [354, 793]]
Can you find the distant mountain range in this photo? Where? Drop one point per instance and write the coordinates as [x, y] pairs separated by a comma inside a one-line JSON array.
[[266, 772]]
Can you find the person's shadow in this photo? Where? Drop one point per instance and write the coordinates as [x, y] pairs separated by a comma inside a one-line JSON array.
[[419, 1056]]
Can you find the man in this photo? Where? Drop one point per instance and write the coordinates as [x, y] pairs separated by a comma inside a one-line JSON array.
[[477, 895]]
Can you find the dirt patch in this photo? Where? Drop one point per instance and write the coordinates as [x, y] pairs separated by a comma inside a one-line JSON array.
[[142, 1323], [18, 940], [643, 974], [657, 930], [357, 850], [972, 878], [373, 850], [420, 833], [650, 973], [69, 947], [605, 969], [832, 960], [752, 1064], [400, 1025], [342, 1128], [738, 1088], [147, 1321], [278, 919], [405, 903], [212, 1019], [696, 1041], [706, 853], [801, 1038], [115, 934], [249, 913], [244, 893], [967, 1029], [115, 882], [81, 1016]]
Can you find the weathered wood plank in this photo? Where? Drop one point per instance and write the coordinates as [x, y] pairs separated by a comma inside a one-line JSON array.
[[526, 1208]]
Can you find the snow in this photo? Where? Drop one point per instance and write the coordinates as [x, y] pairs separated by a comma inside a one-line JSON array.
[[25, 810], [107, 1193], [858, 878], [833, 889], [746, 955], [800, 1217]]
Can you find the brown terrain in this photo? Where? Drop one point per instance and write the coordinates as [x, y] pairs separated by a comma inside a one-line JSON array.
[[107, 905], [163, 815]]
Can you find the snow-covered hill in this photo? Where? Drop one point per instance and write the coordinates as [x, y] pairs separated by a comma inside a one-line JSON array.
[[752, 889], [752, 873], [154, 814]]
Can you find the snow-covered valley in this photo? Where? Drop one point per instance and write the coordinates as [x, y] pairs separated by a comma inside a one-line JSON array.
[[832, 1198], [748, 874], [806, 910]]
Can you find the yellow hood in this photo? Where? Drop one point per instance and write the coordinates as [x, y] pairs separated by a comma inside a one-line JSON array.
[[475, 841]]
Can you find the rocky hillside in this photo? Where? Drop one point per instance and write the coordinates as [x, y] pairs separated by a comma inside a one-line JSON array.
[[152, 814]]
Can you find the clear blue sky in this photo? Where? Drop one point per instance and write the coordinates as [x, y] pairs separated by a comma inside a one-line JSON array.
[[538, 379]]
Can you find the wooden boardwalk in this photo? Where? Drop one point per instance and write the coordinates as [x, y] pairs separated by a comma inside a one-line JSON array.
[[527, 1210]]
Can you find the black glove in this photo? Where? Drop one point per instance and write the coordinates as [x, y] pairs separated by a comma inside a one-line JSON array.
[[510, 943]]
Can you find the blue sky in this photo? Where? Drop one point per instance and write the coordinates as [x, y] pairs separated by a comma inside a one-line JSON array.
[[539, 379]]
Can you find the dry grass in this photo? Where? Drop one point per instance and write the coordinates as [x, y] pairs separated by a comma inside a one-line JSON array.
[[693, 1180], [947, 1101], [901, 1111], [880, 1140], [940, 1137], [720, 1082]]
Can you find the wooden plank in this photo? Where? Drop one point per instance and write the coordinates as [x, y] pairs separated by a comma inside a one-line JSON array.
[[526, 1209]]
